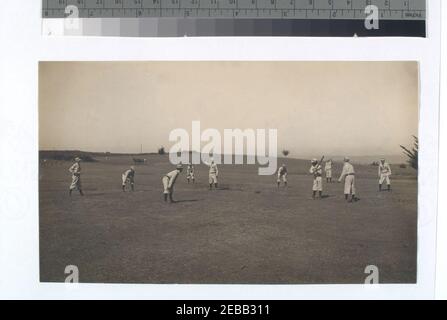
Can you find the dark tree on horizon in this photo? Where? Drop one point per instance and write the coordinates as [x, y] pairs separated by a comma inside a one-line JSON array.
[[412, 153], [161, 150]]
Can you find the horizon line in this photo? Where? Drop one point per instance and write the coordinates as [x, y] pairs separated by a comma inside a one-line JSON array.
[[244, 155]]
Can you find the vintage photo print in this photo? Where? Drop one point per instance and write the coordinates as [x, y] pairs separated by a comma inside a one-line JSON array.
[[228, 172]]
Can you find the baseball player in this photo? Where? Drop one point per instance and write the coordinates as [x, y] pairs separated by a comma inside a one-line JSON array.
[[328, 170], [128, 177], [282, 175], [384, 174], [317, 172], [348, 174], [190, 173], [213, 174], [169, 182], [75, 171]]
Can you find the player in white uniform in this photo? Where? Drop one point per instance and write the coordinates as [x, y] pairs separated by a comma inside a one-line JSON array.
[[213, 174], [384, 174], [168, 181], [348, 174], [282, 175], [317, 172], [75, 171], [328, 170], [128, 178], [190, 173]]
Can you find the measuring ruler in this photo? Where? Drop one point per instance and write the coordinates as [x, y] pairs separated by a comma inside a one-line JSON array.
[[236, 9], [304, 17]]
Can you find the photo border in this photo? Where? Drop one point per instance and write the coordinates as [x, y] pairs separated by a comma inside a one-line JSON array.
[[19, 222]]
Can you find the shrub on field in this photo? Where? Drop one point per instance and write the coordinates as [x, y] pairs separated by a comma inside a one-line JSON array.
[[161, 151]]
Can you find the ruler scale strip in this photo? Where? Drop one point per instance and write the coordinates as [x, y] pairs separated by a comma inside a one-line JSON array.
[[237, 9], [283, 17]]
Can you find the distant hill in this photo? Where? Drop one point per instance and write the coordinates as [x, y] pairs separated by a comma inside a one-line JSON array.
[[392, 159], [69, 155]]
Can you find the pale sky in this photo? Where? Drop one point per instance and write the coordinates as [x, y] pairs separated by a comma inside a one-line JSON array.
[[332, 108]]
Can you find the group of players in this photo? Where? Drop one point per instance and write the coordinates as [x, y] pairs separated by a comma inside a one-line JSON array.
[[347, 175], [316, 169]]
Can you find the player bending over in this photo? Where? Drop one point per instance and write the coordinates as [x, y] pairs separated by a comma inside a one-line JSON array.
[[128, 178], [168, 181], [282, 175]]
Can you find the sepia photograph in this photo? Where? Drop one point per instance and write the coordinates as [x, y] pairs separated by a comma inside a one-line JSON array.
[[228, 172]]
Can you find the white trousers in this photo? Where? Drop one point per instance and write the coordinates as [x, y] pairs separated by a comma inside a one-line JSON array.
[[318, 184], [350, 184], [75, 182], [165, 181], [384, 177], [213, 178], [126, 180]]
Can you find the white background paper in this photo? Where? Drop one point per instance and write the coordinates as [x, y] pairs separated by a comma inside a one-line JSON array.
[[23, 46]]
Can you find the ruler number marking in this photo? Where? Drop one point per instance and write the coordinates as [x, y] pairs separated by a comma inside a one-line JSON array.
[[309, 9]]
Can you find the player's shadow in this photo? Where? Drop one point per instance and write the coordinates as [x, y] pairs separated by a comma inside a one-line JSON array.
[[225, 188], [188, 200]]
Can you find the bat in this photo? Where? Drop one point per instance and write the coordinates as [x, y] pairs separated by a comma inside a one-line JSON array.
[[321, 161]]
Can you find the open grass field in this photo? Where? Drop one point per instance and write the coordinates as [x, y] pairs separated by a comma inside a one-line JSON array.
[[247, 232]]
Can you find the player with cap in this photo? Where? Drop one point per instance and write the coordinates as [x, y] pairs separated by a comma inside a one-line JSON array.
[[384, 174], [316, 170], [348, 174], [328, 170], [282, 175], [190, 174], [169, 180], [128, 178], [75, 171], [212, 174]]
